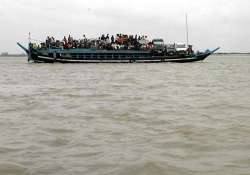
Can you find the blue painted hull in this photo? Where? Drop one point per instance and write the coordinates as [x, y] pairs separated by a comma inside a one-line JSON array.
[[108, 56], [44, 59]]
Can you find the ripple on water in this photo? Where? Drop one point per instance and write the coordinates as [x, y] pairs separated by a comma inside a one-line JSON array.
[[151, 168], [7, 168], [54, 142], [60, 131]]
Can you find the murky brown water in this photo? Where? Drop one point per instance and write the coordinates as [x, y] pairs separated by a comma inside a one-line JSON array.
[[125, 119]]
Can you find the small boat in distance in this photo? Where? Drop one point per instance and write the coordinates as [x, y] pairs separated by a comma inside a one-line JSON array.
[[123, 49]]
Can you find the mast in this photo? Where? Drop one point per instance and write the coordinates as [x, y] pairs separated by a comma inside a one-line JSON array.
[[187, 30], [29, 49], [29, 37]]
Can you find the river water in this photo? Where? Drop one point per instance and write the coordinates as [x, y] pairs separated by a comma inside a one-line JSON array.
[[125, 119]]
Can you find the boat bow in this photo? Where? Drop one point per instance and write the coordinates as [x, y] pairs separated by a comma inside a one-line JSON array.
[[24, 48]]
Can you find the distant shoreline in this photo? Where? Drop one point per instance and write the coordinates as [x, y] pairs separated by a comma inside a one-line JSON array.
[[14, 55], [233, 53]]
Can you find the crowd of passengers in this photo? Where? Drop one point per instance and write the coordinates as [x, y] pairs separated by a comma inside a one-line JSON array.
[[120, 41]]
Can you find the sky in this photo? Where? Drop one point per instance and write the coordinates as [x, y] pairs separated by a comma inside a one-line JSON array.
[[212, 23]]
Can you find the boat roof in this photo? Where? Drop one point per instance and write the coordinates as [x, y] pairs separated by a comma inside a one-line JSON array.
[[158, 40], [81, 50]]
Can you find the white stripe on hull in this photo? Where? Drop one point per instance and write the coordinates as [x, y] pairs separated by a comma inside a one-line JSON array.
[[140, 60]]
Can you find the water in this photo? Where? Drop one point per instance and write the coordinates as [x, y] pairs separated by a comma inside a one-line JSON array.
[[125, 119]]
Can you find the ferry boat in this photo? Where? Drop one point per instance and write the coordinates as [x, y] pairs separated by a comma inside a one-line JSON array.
[[159, 53]]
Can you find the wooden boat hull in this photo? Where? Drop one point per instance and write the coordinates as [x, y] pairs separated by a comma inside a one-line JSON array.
[[44, 59], [106, 56]]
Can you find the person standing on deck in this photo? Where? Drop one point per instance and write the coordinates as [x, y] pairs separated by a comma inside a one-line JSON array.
[[112, 39]]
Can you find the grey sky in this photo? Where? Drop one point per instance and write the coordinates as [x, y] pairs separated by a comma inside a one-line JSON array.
[[212, 23]]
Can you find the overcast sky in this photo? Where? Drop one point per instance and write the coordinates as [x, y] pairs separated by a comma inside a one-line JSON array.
[[212, 23]]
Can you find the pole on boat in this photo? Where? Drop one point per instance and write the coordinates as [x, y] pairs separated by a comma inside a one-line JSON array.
[[187, 30], [29, 54], [29, 37]]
